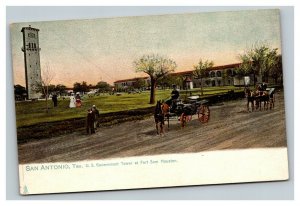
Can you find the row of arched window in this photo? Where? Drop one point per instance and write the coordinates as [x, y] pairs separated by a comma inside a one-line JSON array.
[[219, 73], [213, 83], [32, 46], [214, 74], [125, 83]]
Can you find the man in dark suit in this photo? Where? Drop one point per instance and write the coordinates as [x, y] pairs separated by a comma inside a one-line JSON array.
[[90, 119], [264, 86], [54, 99], [96, 114]]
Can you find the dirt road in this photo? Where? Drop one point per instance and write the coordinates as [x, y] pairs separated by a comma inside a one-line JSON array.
[[230, 127]]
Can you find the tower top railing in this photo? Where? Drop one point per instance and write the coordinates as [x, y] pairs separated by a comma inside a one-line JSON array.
[[29, 28]]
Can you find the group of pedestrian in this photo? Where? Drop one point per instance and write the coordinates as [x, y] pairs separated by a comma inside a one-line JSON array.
[[93, 114], [92, 120], [75, 101]]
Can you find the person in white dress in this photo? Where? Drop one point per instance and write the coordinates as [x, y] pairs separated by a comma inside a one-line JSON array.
[[72, 101]]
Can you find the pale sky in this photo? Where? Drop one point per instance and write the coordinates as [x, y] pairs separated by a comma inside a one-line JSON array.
[[104, 49]]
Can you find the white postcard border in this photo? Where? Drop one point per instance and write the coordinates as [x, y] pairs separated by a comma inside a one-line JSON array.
[[212, 167]]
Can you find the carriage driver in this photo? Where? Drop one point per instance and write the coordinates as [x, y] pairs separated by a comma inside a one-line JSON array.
[[174, 96], [174, 93], [261, 88], [264, 86]]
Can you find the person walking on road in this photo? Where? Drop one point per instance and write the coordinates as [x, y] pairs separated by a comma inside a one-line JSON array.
[[90, 122], [96, 114]]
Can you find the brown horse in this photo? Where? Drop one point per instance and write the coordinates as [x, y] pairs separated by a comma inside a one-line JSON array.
[[268, 98], [159, 118], [183, 118], [265, 98], [257, 98]]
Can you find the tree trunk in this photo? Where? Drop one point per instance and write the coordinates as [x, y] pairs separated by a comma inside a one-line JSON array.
[[266, 77], [47, 100], [201, 86], [152, 91]]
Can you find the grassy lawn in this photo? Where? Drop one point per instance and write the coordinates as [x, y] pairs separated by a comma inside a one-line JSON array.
[[29, 113]]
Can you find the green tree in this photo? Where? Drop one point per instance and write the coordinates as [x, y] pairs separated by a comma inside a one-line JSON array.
[[20, 92], [139, 83], [80, 87], [245, 67], [156, 67], [276, 70], [240, 72], [224, 76], [201, 70], [103, 86], [169, 80], [271, 61], [77, 87], [51, 88], [259, 60], [60, 88], [178, 80], [84, 87], [44, 86]]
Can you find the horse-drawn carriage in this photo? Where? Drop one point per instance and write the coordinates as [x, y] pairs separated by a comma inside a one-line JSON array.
[[259, 97], [182, 111]]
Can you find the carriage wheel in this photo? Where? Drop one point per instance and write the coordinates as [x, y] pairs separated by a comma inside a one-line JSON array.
[[183, 119], [203, 113]]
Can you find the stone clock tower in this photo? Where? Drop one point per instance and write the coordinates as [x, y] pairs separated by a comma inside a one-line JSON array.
[[31, 51]]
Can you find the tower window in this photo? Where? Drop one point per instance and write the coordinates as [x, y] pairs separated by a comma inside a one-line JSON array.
[[34, 45], [29, 45], [30, 65], [31, 35]]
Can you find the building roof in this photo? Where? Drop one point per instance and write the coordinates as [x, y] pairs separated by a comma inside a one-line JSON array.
[[132, 79], [227, 66], [181, 73]]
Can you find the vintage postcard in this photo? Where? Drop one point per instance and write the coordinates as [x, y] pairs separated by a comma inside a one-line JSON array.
[[149, 101]]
